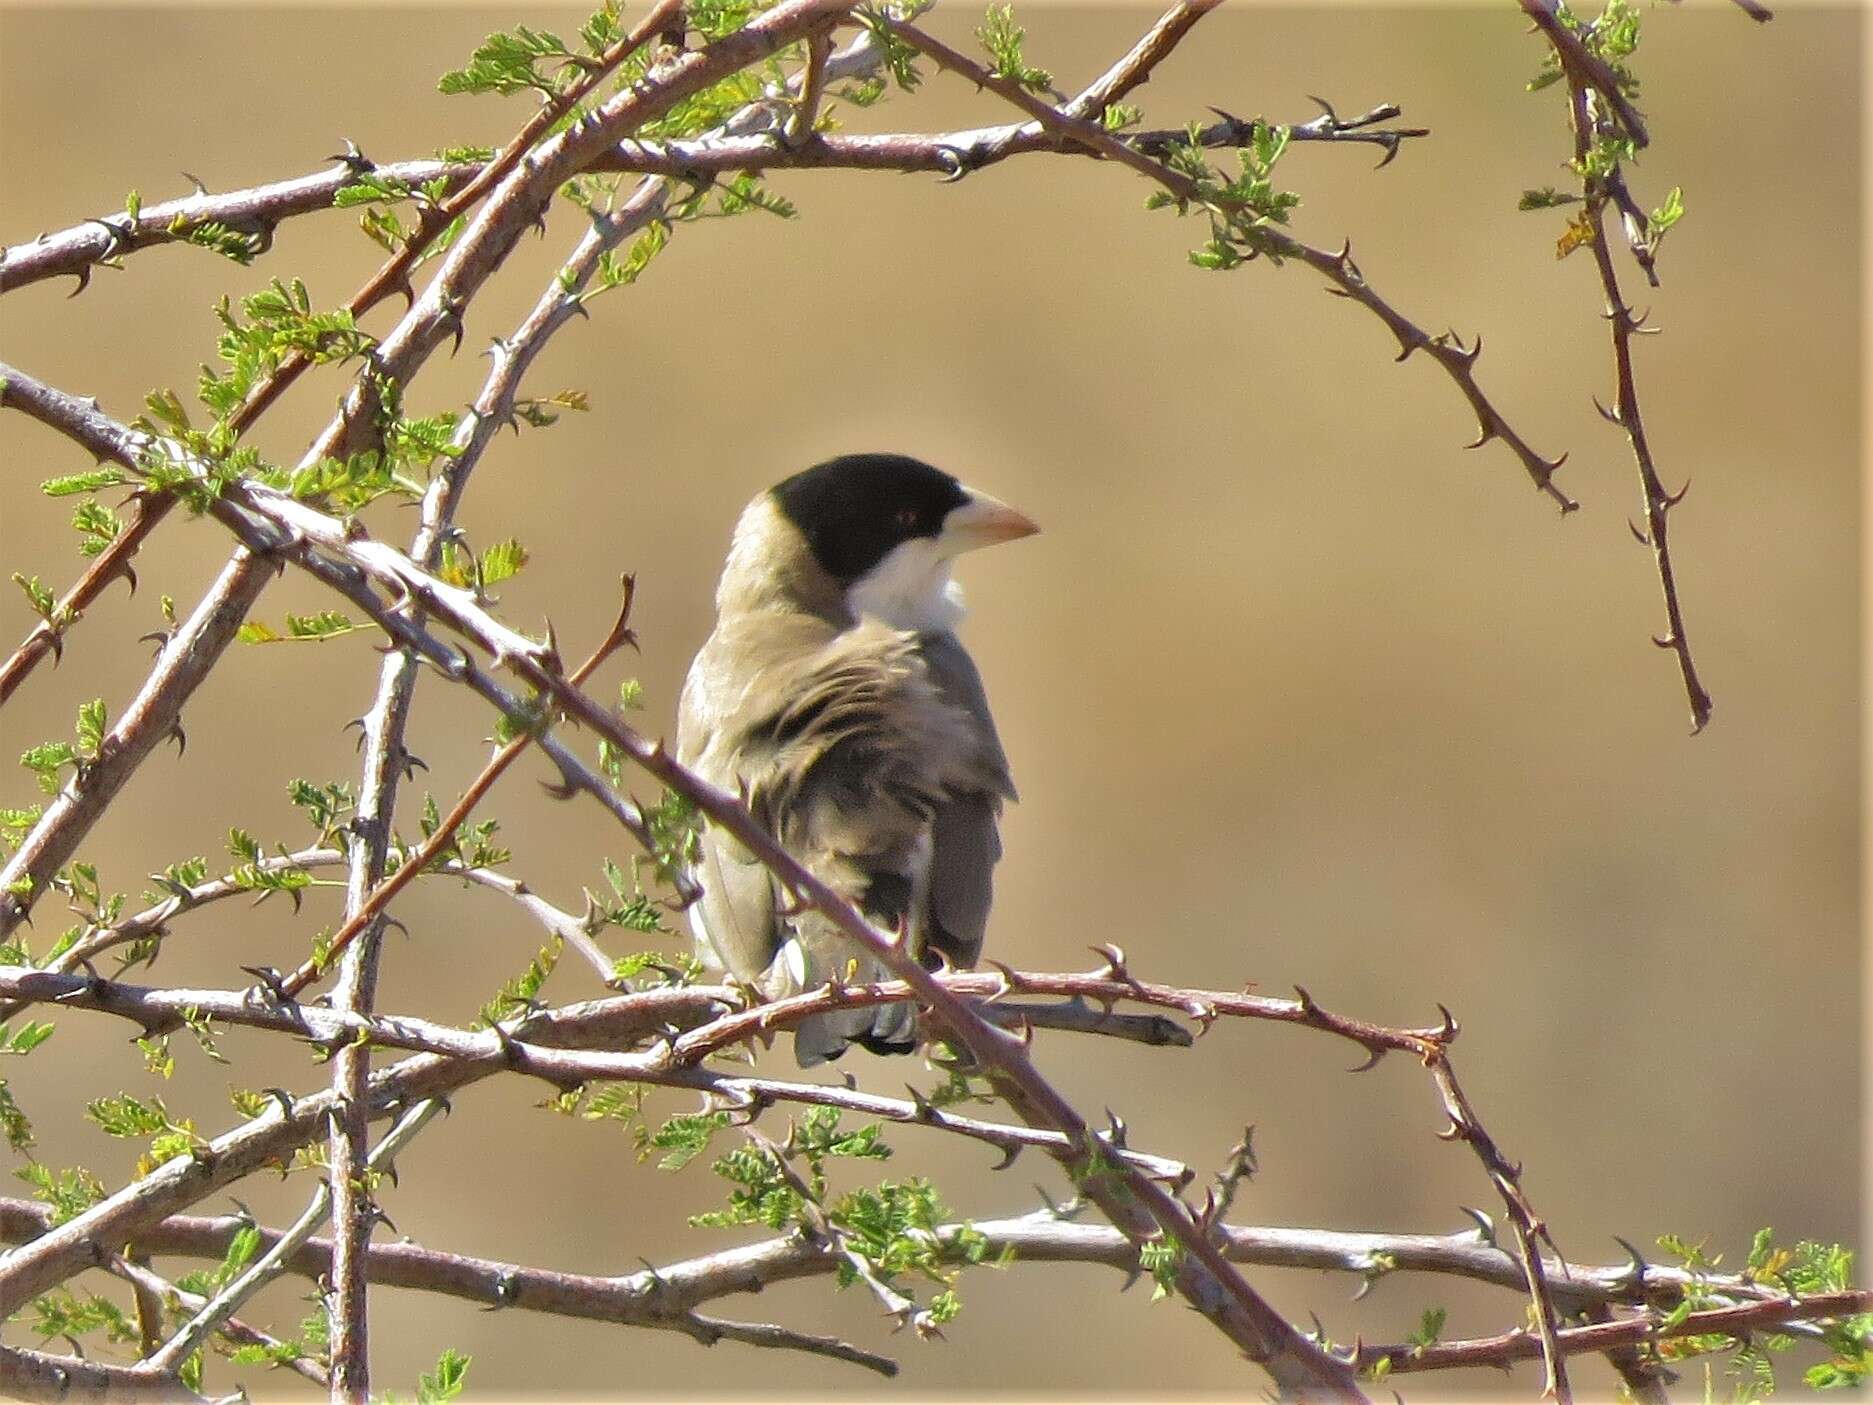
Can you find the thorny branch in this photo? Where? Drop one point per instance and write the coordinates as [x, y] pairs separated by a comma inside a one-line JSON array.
[[1258, 1329], [490, 235], [249, 210], [670, 1033], [661, 1297], [270, 521], [1457, 360], [63, 253], [1625, 414]]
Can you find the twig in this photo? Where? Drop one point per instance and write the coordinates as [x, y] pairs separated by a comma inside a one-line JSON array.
[[152, 923], [1515, 1346], [1457, 360], [1658, 503], [48, 636], [662, 1296], [1038, 1237], [902, 1310], [33, 1375], [156, 1290], [1584, 68], [253, 209], [267, 1141], [195, 648], [210, 1317], [530, 1045], [430, 851]]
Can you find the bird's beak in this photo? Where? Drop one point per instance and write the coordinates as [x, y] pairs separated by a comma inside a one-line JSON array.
[[983, 521]]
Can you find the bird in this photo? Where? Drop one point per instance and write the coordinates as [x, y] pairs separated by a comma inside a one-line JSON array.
[[834, 695]]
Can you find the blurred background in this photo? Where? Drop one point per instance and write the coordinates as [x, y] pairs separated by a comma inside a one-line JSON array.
[[1295, 689]]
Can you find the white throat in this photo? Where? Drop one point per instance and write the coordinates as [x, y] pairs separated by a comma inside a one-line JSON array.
[[910, 589]]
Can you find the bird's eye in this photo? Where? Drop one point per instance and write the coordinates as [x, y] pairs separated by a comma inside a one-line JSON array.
[[907, 517]]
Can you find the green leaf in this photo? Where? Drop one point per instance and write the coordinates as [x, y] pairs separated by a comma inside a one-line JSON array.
[[519, 992], [45, 761], [682, 1138], [507, 62], [91, 728], [1430, 1327], [70, 1192], [72, 484], [1547, 198], [446, 1381], [301, 629], [1002, 37], [25, 1039], [502, 561], [38, 594]]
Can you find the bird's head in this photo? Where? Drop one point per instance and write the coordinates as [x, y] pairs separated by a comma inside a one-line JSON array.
[[867, 534]]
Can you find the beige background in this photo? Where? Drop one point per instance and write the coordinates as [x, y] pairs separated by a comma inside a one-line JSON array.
[[1295, 690]]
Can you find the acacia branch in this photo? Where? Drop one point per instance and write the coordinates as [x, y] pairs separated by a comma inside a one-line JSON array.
[[1737, 1320], [86, 1240], [533, 1045], [1625, 414], [1584, 68], [34, 1375], [488, 238], [1456, 360], [662, 1296], [253, 210], [210, 1316], [156, 1292]]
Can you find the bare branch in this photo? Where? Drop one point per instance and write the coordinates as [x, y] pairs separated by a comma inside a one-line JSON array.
[[1515, 1346], [33, 1375], [1658, 502], [1457, 360]]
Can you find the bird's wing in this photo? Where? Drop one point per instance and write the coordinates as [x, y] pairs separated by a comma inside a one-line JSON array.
[[849, 749], [966, 826]]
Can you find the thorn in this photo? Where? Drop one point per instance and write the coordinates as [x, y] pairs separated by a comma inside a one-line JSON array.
[[1011, 978], [1374, 1053], [1671, 500], [1117, 1134], [1610, 416], [195, 181], [353, 158], [1333, 118], [1485, 1224], [1664, 641], [954, 161], [179, 737], [1009, 1153], [1453, 1133], [1484, 433], [1306, 1001], [128, 572], [1637, 535], [83, 275], [1115, 961], [1634, 1273], [506, 1289], [1451, 1029], [271, 982]]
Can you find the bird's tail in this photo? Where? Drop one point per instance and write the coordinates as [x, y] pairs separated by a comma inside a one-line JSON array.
[[883, 1029]]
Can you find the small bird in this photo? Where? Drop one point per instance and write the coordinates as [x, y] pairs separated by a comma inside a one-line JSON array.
[[835, 695]]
